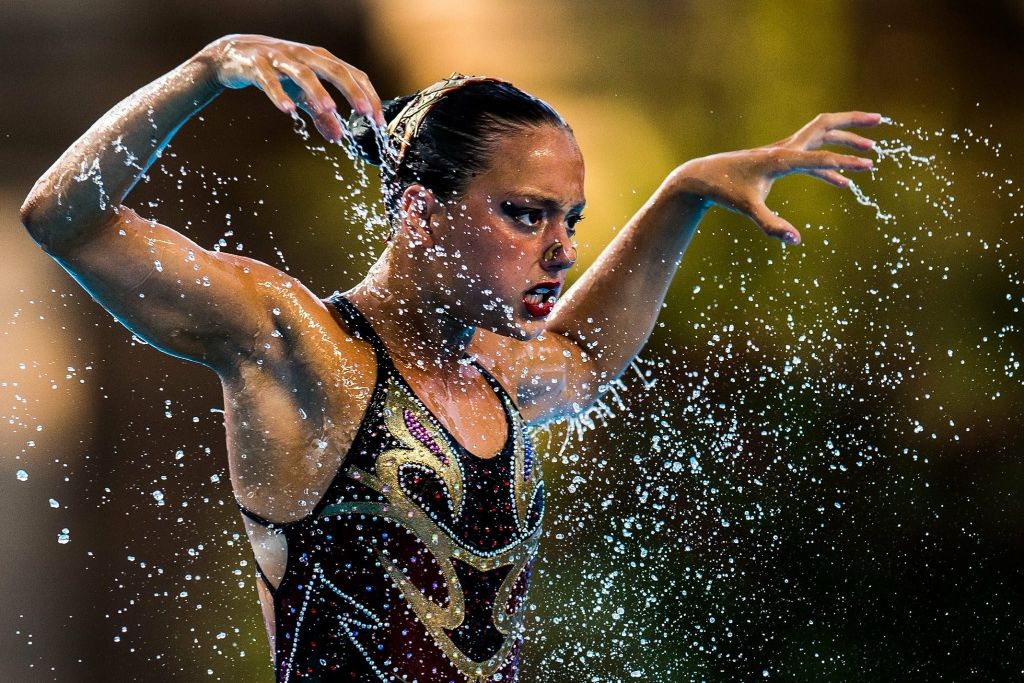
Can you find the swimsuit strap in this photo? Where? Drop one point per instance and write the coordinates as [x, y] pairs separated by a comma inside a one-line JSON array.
[[361, 326], [499, 388], [364, 330], [262, 521]]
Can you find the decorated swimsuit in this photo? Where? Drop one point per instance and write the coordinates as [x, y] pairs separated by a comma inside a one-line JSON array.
[[415, 564]]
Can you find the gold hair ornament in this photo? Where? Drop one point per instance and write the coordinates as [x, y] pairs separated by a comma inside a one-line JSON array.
[[405, 126]]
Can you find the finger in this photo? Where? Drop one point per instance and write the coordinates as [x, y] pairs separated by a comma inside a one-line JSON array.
[[351, 82], [811, 135], [378, 107], [326, 122], [798, 160], [846, 119], [329, 126], [848, 139], [316, 95], [773, 225], [268, 82], [831, 177], [854, 119], [292, 89]]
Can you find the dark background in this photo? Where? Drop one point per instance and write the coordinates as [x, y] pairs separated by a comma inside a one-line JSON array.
[[822, 484]]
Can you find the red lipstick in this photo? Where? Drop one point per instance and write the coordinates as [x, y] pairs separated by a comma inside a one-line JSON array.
[[541, 298]]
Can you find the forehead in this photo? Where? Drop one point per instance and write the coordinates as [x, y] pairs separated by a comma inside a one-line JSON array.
[[542, 160]]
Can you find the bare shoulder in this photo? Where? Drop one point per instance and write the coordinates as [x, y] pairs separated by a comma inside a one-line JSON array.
[[535, 372], [302, 328], [306, 348], [293, 408], [499, 356]]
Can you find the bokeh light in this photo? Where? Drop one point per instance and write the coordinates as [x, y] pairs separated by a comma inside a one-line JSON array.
[[812, 471]]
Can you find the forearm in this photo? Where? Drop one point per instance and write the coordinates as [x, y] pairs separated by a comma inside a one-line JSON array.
[[91, 179], [610, 312]]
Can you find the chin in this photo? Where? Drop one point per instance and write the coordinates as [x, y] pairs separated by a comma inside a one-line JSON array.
[[515, 321], [522, 327], [528, 329], [528, 333]]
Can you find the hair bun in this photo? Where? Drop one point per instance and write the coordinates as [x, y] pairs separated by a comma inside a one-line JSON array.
[[364, 135]]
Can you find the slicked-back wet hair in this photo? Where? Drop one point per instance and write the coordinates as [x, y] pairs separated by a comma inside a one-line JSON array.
[[455, 140]]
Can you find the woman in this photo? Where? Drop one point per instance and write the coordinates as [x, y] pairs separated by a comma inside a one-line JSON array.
[[377, 440]]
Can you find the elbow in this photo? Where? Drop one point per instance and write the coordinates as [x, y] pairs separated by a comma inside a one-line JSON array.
[[35, 220], [51, 226], [27, 211]]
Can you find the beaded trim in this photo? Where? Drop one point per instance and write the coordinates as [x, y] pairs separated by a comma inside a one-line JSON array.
[[416, 453], [424, 444], [318, 577]]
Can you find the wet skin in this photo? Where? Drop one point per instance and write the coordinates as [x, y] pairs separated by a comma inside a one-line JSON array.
[[281, 465], [296, 381]]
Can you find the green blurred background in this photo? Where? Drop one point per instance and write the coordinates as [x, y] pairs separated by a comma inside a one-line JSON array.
[[823, 483]]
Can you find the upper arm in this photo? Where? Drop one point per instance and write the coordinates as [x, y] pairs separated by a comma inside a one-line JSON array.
[[553, 377], [204, 306]]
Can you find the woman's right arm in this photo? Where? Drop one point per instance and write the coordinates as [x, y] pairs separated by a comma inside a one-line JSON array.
[[201, 305]]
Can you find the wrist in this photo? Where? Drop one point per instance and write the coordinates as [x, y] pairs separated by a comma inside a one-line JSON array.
[[204, 66], [686, 188]]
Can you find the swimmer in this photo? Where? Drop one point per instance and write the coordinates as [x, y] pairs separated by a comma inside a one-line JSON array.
[[378, 439]]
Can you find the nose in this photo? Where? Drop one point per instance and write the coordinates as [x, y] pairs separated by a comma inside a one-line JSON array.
[[560, 254]]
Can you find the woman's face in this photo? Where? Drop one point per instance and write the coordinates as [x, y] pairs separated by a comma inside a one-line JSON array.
[[506, 243]]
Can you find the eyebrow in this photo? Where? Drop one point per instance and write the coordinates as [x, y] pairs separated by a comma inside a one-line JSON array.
[[548, 202]]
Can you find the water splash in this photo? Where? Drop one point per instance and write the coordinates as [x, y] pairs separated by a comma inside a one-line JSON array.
[[864, 200], [784, 427], [770, 434], [299, 126]]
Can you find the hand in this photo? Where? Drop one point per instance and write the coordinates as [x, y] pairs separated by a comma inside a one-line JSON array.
[[740, 181], [289, 73]]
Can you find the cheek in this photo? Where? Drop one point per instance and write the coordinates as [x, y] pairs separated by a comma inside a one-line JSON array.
[[508, 265], [492, 260]]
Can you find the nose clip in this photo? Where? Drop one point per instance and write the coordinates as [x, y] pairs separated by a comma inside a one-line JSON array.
[[557, 254]]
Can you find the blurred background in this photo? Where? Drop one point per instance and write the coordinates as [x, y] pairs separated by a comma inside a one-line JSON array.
[[812, 473]]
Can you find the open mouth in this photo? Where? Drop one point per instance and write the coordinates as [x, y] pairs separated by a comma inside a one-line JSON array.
[[541, 298]]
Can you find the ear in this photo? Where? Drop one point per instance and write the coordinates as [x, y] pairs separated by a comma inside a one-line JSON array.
[[420, 211]]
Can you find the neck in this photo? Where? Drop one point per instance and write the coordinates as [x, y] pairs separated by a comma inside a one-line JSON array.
[[406, 317]]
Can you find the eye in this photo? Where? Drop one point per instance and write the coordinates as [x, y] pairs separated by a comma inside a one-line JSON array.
[[523, 215], [572, 222]]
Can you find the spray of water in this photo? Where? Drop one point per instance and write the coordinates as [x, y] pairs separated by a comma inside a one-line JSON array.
[[712, 460]]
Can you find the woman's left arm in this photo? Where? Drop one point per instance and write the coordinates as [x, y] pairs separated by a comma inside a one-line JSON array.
[[603, 321]]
